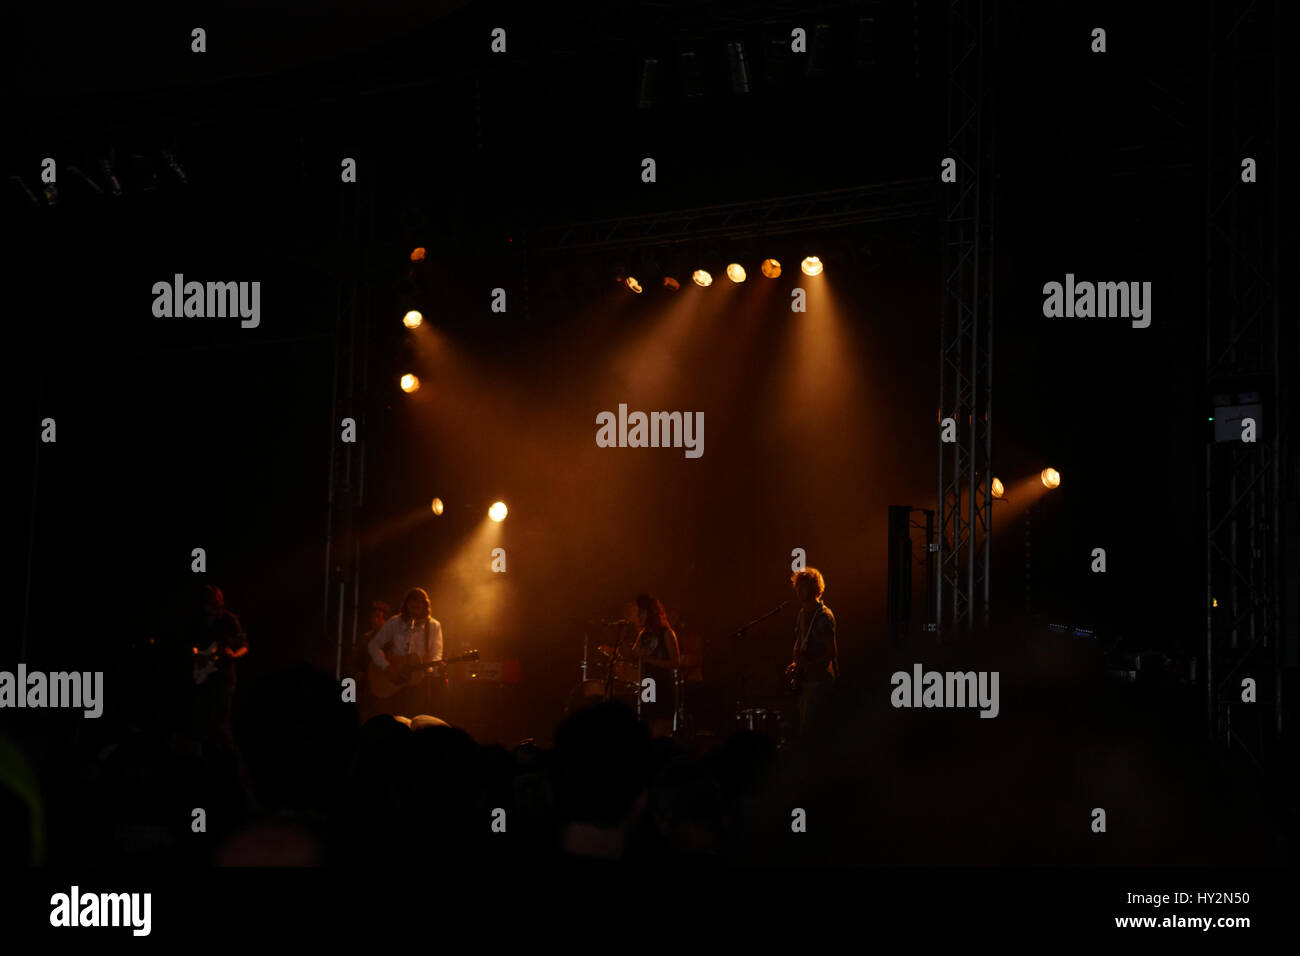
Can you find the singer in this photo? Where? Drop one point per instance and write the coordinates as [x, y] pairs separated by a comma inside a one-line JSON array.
[[815, 660], [411, 631]]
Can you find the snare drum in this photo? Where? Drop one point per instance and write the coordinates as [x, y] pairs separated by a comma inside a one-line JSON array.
[[761, 719], [591, 691]]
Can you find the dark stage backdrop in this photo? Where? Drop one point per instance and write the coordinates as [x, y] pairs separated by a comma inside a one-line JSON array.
[[176, 434]]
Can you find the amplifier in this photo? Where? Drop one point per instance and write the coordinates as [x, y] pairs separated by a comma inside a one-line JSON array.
[[502, 672]]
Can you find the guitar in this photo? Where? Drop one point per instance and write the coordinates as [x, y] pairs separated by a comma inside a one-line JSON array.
[[794, 678], [205, 661], [794, 672], [407, 670]]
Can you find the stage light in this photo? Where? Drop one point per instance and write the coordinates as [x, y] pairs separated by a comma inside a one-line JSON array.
[[998, 490], [739, 68], [811, 266], [632, 284], [650, 74], [417, 254], [410, 383], [412, 319], [170, 159], [702, 278], [110, 177], [736, 272], [819, 54], [437, 506], [690, 74], [1051, 478], [771, 268], [671, 284], [498, 511]]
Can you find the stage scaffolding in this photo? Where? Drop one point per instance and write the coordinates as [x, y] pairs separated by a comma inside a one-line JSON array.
[[782, 215], [353, 296], [1250, 373], [966, 325]]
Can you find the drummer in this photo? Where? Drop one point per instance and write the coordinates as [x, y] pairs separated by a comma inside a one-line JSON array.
[[656, 647]]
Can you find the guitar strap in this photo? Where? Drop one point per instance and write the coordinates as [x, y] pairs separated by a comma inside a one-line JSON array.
[[804, 646]]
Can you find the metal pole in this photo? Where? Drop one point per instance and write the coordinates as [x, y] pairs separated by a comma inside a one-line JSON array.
[[1278, 443], [333, 450], [929, 568], [973, 393], [1209, 588], [338, 661]]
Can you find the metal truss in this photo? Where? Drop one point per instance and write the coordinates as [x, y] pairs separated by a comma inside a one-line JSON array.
[[1242, 356], [341, 589], [966, 335], [881, 202]]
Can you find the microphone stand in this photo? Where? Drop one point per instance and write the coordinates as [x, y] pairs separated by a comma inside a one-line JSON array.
[[739, 634], [740, 631], [613, 659]]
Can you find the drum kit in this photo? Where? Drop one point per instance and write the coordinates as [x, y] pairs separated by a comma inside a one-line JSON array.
[[607, 674], [610, 675]]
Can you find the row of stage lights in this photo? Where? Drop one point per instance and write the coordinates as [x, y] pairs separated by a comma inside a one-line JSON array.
[[497, 512], [771, 268], [1050, 477], [410, 382]]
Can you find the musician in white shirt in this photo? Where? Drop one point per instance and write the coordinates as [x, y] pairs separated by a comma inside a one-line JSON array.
[[412, 631]]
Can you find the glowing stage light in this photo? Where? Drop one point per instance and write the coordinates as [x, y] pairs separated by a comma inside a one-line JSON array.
[[702, 278], [498, 511], [417, 254], [1051, 478], [412, 319], [410, 383], [998, 490], [632, 284], [736, 272], [771, 268], [671, 284], [437, 506], [811, 266]]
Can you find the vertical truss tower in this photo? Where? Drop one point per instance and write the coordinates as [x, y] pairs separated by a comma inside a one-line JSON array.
[[349, 400], [966, 335], [1245, 378]]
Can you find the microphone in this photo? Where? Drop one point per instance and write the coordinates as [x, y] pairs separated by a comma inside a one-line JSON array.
[[621, 620]]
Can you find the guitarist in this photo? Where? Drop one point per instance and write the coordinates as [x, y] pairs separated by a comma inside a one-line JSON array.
[[412, 631], [220, 638], [815, 662]]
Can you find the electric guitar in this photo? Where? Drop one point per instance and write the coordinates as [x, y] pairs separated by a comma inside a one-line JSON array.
[[794, 678], [407, 670], [205, 661], [794, 672]]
